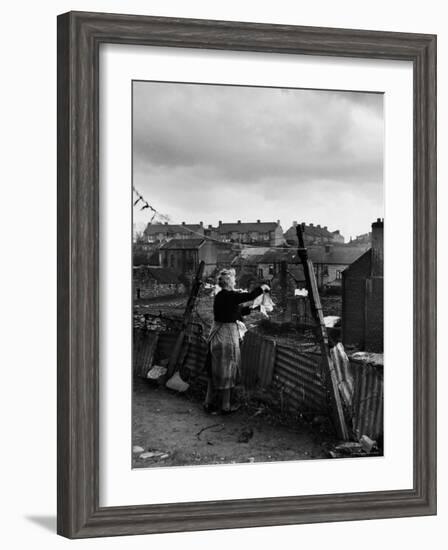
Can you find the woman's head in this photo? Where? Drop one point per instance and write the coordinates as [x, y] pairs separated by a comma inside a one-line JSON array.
[[226, 279]]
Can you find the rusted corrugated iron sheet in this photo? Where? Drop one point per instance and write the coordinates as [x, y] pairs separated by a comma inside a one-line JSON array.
[[344, 374], [298, 376], [257, 361], [367, 408], [145, 344]]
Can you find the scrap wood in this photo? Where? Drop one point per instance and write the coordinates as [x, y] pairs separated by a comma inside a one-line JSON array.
[[198, 435]]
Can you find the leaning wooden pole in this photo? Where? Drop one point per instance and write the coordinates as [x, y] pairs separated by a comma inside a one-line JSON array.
[[322, 336], [186, 319]]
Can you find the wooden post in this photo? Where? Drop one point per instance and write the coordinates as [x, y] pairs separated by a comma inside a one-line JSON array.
[[283, 288], [178, 346], [321, 333]]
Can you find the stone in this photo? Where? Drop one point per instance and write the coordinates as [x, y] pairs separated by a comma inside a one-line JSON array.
[[367, 444]]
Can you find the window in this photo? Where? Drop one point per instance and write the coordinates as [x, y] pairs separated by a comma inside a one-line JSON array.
[[338, 274]]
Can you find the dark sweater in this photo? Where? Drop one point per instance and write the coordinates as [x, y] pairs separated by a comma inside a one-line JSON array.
[[226, 307]]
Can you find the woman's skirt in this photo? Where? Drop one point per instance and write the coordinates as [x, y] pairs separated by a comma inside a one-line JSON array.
[[224, 345]]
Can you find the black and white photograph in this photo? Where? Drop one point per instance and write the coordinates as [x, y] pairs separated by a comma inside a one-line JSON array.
[[257, 272]]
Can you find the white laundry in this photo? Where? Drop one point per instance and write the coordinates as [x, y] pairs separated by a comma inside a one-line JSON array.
[[242, 329], [300, 292], [264, 301]]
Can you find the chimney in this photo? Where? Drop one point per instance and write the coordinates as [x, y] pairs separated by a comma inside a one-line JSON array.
[[294, 224], [311, 225], [183, 223], [220, 223], [166, 223], [326, 227], [210, 226], [278, 222], [201, 224], [258, 221], [377, 247], [318, 225], [239, 221]]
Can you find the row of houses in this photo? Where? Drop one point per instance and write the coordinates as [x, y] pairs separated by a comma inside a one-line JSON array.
[[183, 256], [355, 268], [257, 233]]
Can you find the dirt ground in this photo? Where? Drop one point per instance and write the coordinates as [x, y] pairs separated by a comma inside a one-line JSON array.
[[175, 430]]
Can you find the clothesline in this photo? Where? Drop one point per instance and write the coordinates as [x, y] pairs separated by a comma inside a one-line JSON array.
[[146, 205]]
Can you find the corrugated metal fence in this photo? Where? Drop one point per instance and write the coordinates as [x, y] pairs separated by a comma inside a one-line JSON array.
[[297, 376], [294, 376]]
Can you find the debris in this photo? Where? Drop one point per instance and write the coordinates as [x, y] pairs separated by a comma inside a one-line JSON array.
[[245, 435], [367, 444], [348, 447], [198, 435], [150, 454], [259, 411], [156, 372], [137, 449], [176, 383], [369, 358], [365, 447]]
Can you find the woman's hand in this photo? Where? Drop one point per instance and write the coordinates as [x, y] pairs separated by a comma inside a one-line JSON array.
[[265, 288]]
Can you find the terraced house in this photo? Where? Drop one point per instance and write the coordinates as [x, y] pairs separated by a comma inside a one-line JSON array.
[[264, 233]]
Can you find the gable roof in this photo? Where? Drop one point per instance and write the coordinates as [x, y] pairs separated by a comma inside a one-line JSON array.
[[245, 227], [344, 255], [360, 267], [182, 244]]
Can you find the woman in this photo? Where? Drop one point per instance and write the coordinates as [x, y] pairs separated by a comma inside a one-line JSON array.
[[224, 341]]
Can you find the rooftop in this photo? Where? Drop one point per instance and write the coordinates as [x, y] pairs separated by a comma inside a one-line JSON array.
[[244, 227], [341, 254], [182, 244], [311, 230]]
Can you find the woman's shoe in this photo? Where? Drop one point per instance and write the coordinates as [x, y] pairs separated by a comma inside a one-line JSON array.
[[231, 410], [208, 408]]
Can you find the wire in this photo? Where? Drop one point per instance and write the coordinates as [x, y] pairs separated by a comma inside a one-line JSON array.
[[164, 217]]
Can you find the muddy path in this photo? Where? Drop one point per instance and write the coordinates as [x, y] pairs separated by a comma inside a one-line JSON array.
[[175, 431]]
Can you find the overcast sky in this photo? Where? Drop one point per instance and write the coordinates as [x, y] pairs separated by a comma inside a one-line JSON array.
[[209, 153]]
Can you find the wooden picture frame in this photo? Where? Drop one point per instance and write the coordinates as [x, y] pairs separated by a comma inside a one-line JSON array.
[[79, 38]]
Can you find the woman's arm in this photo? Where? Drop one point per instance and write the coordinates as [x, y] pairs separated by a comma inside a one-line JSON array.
[[241, 297]]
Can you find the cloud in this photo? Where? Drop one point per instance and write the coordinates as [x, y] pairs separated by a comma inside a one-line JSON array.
[[193, 145]]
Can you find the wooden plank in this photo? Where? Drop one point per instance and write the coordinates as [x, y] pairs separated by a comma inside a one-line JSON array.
[[322, 337]]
